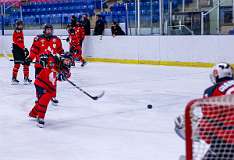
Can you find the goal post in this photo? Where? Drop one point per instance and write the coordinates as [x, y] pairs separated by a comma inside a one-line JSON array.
[[209, 128], [188, 130]]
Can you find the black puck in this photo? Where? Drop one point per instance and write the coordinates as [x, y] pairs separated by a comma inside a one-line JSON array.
[[149, 106]]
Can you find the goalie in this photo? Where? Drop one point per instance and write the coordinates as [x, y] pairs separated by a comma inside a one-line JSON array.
[[213, 127]]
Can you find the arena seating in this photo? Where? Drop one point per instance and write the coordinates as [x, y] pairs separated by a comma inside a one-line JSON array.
[[53, 11]]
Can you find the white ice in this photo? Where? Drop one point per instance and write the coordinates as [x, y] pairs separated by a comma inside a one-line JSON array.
[[116, 127]]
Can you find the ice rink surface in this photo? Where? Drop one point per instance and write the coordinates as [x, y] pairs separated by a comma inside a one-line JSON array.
[[116, 127]]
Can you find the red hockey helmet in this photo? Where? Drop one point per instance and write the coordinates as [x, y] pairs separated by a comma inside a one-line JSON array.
[[51, 62]]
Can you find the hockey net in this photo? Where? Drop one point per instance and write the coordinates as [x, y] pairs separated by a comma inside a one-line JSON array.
[[209, 128]]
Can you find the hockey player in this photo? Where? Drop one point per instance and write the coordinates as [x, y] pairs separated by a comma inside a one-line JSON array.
[[45, 83], [45, 43], [19, 54], [76, 36], [219, 135]]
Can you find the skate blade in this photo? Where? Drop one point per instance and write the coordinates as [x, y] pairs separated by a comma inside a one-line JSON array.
[[32, 118], [27, 83], [82, 65], [54, 104], [14, 83], [40, 125]]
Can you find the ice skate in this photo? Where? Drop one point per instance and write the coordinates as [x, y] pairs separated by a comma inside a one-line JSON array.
[[27, 81], [83, 64], [73, 64], [76, 59], [14, 81], [54, 101], [40, 122]]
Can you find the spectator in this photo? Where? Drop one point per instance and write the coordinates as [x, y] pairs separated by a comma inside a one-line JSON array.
[[100, 26], [86, 24], [231, 32], [73, 20], [116, 29]]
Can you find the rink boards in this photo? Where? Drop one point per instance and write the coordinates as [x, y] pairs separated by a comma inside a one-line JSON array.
[[197, 51]]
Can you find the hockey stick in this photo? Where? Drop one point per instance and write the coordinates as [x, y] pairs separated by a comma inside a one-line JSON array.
[[12, 60], [7, 57], [93, 97]]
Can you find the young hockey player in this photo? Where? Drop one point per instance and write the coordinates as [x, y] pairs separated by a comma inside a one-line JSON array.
[[42, 44], [19, 54], [76, 36], [216, 127], [45, 83]]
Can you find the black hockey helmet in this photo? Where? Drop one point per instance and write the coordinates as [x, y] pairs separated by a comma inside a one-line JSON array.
[[47, 60], [73, 20], [43, 60], [45, 28], [18, 24], [66, 60]]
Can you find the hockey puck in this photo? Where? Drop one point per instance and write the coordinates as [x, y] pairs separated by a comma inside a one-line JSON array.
[[149, 106]]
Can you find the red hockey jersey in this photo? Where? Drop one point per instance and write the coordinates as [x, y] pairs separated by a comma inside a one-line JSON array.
[[74, 41], [218, 121], [18, 38], [47, 79], [42, 44], [80, 32]]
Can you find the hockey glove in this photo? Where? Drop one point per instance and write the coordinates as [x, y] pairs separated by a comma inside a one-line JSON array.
[[43, 60], [61, 77], [26, 52], [180, 126], [57, 58], [72, 48], [67, 39], [27, 61]]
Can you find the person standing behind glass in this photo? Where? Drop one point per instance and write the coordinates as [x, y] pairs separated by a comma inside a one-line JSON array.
[[86, 24], [100, 26]]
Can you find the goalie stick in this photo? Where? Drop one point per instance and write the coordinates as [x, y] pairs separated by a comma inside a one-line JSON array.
[[86, 93]]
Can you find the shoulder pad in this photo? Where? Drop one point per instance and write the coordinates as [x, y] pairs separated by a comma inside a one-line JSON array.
[[209, 91], [55, 37], [38, 37]]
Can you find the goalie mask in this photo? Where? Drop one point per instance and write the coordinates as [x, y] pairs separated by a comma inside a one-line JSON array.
[[220, 72]]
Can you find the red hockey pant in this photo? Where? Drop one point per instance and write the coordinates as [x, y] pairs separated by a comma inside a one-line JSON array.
[[40, 107]]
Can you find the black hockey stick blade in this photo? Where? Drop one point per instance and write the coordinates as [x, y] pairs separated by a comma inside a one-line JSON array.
[[86, 93], [99, 96]]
